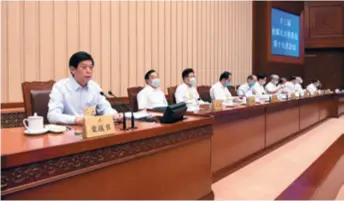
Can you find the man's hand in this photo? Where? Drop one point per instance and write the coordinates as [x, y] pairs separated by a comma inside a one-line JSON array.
[[79, 120], [117, 117]]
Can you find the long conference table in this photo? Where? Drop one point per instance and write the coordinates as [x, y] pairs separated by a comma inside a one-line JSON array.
[[155, 161], [241, 132]]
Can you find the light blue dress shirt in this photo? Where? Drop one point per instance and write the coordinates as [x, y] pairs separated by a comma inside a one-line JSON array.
[[68, 100]]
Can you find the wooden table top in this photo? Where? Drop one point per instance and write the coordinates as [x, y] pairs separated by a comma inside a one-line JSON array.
[[15, 143], [206, 110]]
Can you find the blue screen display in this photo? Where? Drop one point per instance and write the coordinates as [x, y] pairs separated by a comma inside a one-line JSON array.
[[285, 33]]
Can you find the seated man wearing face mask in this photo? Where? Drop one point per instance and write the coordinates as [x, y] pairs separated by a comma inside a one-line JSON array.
[[298, 87], [219, 91], [258, 88], [271, 87], [187, 92], [290, 85], [246, 88], [151, 96], [70, 96], [281, 85], [312, 88]]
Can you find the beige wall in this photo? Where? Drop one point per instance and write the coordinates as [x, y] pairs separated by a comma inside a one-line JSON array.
[[126, 39]]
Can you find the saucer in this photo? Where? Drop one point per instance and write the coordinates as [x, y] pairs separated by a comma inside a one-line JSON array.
[[56, 128], [36, 132]]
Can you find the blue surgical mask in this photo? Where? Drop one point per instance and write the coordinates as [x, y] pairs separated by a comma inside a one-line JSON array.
[[227, 83], [193, 81], [156, 83], [251, 84]]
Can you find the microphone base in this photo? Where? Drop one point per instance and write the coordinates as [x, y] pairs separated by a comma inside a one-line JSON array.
[[133, 127], [125, 129]]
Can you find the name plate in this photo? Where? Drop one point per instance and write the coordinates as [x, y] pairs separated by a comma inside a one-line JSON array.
[[216, 105], [90, 111], [274, 98], [251, 100], [98, 126], [293, 96]]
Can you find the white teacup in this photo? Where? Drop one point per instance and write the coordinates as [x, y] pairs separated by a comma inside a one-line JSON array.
[[34, 123]]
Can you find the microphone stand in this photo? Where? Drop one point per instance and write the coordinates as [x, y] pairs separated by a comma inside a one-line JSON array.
[[124, 118]]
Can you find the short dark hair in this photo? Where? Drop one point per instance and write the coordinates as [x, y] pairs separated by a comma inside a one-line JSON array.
[[250, 77], [225, 75], [78, 57], [292, 78], [315, 81], [282, 79], [149, 73], [186, 72], [261, 76]]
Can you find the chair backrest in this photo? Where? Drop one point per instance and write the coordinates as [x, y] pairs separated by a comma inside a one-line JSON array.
[[171, 91], [204, 92], [36, 97], [132, 94], [39, 103], [232, 90]]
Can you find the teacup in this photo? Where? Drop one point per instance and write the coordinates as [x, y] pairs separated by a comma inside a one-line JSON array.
[[34, 123]]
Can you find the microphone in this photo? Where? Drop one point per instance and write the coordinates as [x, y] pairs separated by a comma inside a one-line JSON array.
[[124, 118], [103, 94]]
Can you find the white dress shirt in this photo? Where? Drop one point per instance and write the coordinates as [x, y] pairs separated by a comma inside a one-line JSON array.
[[289, 87], [68, 100], [311, 88], [258, 89], [271, 88], [219, 92], [298, 89], [150, 98], [186, 94], [245, 90]]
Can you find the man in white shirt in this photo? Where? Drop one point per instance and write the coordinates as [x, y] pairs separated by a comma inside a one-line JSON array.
[[246, 88], [70, 96], [281, 85], [258, 88], [187, 92], [298, 86], [151, 96], [219, 91], [312, 88], [271, 87], [290, 85]]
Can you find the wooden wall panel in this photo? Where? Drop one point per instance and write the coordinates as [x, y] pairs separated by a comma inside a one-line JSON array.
[[324, 24], [96, 38], [60, 42], [85, 25], [327, 65], [140, 31], [126, 38], [115, 51], [15, 50], [4, 53], [31, 45], [105, 51]]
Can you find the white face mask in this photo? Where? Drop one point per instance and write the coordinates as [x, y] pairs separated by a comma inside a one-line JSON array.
[[192, 81], [156, 83], [262, 82]]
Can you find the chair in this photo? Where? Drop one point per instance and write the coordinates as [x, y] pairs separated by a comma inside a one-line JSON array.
[[132, 94], [36, 97], [232, 90], [171, 98], [204, 92]]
